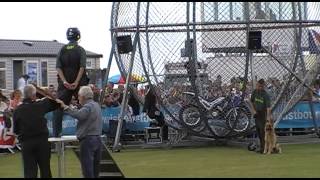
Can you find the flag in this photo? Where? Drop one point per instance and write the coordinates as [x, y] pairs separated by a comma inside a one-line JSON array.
[[314, 42]]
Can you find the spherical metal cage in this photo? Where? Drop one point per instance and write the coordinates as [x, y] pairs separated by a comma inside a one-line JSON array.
[[200, 56]]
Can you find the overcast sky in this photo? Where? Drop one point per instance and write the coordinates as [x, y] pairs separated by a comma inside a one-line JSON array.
[[50, 20]]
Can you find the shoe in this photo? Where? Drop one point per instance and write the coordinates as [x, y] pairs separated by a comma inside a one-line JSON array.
[[259, 151]]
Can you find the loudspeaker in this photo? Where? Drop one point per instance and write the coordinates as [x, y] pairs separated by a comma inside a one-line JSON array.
[[255, 40], [124, 44], [183, 52], [188, 48]]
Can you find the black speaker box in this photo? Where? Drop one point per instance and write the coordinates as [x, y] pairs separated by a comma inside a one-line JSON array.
[[124, 44], [255, 40], [188, 46]]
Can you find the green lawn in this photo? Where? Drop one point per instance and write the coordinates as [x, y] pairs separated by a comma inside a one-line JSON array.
[[11, 166], [296, 161]]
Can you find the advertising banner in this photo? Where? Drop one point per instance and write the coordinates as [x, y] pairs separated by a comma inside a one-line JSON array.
[[134, 124], [298, 117], [7, 139]]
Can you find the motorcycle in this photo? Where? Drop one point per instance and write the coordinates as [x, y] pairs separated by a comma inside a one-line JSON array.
[[230, 108]]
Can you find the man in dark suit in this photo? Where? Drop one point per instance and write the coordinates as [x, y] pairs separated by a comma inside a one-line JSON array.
[[30, 126], [150, 107]]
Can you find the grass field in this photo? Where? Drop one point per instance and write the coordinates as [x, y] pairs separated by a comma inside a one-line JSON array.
[[296, 161], [11, 167]]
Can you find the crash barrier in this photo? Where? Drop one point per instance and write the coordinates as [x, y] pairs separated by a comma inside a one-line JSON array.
[[133, 124], [299, 117]]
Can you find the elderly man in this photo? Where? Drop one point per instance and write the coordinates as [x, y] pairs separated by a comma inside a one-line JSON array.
[[31, 127], [89, 129]]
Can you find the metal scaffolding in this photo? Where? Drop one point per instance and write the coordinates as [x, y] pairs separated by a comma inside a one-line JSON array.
[[217, 34]]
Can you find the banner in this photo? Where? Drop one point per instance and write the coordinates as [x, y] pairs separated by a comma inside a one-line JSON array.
[[134, 124], [69, 124], [32, 71], [298, 117], [7, 139]]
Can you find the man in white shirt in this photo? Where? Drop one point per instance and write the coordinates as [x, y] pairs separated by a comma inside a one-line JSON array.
[[22, 82]]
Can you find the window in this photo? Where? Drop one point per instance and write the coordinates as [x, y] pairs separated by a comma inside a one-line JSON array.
[[209, 11], [44, 73], [3, 75], [274, 10], [259, 10], [237, 9], [32, 71], [286, 11], [222, 11], [89, 64]]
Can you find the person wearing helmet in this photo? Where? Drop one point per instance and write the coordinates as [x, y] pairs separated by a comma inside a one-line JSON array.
[[70, 65]]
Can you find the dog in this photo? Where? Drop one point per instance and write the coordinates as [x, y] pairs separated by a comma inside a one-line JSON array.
[[270, 139]]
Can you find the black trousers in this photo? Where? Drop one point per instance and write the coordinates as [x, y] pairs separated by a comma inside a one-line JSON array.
[[161, 122], [260, 120], [36, 153], [66, 96]]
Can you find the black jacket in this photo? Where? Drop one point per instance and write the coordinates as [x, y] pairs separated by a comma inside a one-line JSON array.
[[29, 120], [150, 104], [70, 59], [150, 107], [133, 102]]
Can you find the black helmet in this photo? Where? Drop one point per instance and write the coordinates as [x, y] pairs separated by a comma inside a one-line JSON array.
[[73, 34]]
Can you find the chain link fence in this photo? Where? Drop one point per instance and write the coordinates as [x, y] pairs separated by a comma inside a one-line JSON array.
[[203, 48]]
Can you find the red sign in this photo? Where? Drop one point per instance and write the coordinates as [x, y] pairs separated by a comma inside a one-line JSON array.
[[7, 138]]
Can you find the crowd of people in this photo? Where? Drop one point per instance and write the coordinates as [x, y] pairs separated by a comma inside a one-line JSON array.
[[217, 88]]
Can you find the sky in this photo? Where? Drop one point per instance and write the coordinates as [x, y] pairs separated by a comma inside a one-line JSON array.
[[50, 21]]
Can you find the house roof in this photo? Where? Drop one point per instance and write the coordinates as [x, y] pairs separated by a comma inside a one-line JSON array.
[[33, 48]]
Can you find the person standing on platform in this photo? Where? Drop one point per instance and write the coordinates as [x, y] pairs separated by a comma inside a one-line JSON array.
[[71, 68], [89, 130], [30, 125]]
